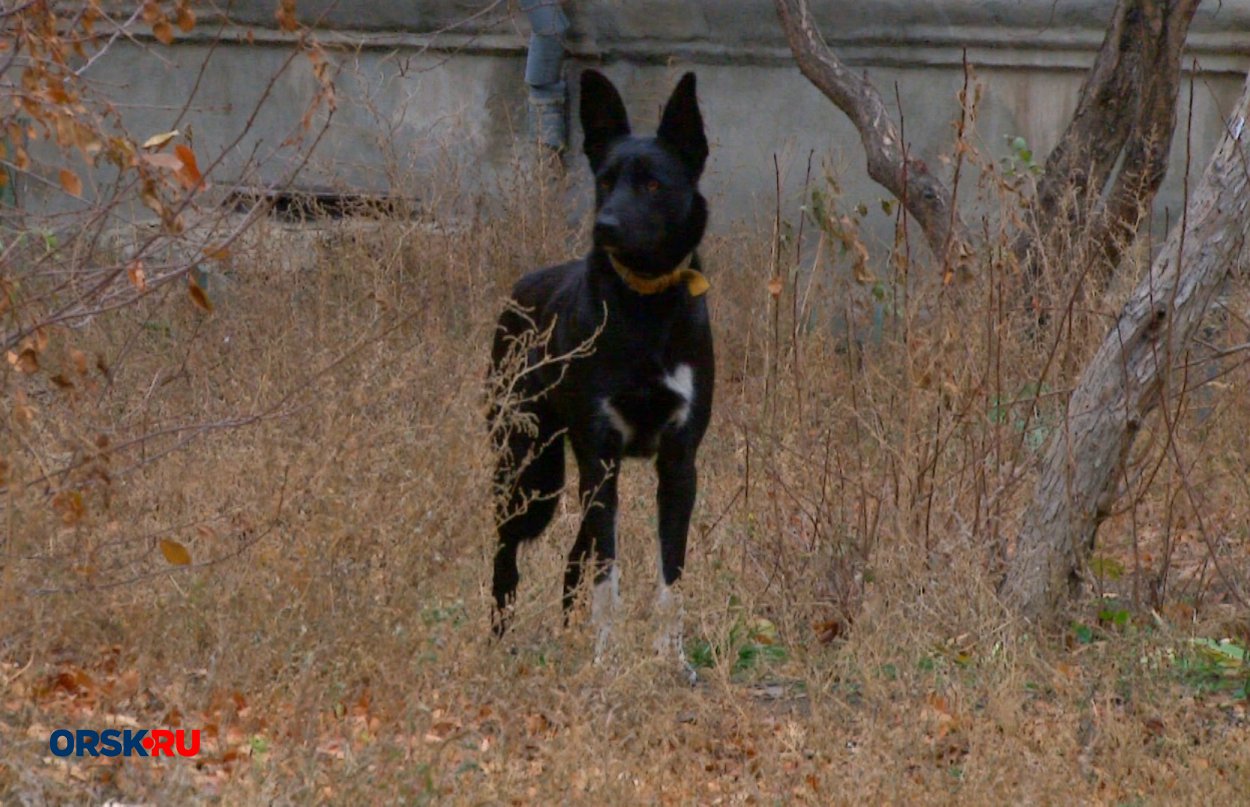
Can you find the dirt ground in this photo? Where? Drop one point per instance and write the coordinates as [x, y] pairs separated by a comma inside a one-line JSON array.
[[272, 523]]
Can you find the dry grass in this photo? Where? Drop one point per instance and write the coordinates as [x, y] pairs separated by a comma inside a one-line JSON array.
[[856, 503]]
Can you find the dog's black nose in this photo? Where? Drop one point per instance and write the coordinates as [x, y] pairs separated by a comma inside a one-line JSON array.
[[607, 230]]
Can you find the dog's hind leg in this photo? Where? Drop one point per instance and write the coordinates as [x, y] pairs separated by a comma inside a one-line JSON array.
[[526, 501], [675, 494]]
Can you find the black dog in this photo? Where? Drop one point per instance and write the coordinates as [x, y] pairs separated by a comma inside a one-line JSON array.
[[643, 388]]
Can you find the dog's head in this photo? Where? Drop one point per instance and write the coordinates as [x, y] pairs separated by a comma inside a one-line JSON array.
[[648, 211]]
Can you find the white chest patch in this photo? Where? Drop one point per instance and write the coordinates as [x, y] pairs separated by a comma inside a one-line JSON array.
[[617, 421], [681, 381]]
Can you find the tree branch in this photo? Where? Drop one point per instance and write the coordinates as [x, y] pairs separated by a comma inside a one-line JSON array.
[[925, 197], [1150, 141], [1088, 148], [1127, 105]]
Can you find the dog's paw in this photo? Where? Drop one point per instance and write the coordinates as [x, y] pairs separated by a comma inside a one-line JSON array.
[[603, 646], [670, 648], [499, 621], [687, 671]]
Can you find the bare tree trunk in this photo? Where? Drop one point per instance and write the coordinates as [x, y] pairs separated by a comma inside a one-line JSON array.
[[1084, 215], [1128, 378], [1127, 106]]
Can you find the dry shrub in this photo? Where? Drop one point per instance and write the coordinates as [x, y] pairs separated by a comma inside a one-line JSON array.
[[318, 447]]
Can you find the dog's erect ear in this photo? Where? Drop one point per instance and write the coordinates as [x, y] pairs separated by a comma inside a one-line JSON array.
[[681, 126], [603, 116]]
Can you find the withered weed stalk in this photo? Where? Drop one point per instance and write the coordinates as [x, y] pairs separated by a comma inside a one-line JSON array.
[[316, 448]]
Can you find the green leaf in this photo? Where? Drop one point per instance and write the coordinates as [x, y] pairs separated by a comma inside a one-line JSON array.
[[752, 654], [1116, 616], [1083, 633], [1106, 568], [699, 653], [1224, 652]]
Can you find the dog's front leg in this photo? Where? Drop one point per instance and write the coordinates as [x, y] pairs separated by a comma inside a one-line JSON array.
[[597, 484], [675, 494]]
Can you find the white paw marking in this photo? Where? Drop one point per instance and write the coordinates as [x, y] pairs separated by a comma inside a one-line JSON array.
[[668, 640], [681, 381], [669, 616], [603, 606]]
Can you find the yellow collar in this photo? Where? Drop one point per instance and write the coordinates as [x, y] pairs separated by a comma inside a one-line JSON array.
[[695, 282]]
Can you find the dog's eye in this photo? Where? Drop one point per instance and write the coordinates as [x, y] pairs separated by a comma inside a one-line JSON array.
[[604, 185], [653, 185]]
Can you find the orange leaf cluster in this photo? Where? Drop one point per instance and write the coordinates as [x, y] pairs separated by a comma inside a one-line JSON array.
[[182, 163], [162, 28], [198, 295], [285, 15]]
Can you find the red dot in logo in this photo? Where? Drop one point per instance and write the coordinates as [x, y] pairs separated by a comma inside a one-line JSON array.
[[148, 742]]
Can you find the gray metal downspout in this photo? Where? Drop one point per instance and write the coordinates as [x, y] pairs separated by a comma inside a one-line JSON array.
[[544, 72]]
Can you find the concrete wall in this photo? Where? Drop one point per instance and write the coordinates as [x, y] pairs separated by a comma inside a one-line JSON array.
[[431, 108]]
